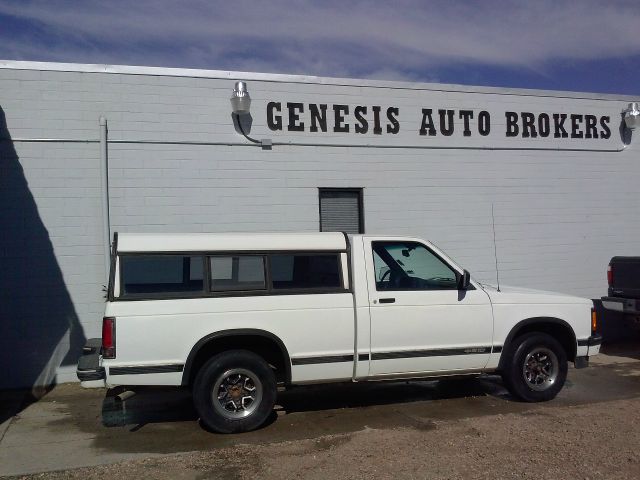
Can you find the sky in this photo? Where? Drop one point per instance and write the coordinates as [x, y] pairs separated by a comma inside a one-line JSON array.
[[579, 45]]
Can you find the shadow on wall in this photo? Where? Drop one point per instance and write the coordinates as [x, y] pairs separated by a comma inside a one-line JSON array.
[[39, 327]]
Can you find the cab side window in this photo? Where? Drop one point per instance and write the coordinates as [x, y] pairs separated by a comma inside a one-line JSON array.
[[410, 266]]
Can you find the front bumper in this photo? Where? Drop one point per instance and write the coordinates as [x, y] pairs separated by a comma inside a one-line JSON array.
[[592, 341], [623, 305], [593, 348], [89, 371]]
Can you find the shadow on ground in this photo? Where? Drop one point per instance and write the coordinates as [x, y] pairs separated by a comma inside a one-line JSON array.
[[165, 405]]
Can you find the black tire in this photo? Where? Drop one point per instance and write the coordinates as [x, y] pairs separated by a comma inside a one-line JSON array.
[[535, 367], [233, 374]]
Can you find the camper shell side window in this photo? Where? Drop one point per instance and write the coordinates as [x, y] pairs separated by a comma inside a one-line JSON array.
[[150, 275]]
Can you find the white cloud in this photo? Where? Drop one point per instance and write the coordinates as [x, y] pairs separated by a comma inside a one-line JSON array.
[[336, 38]]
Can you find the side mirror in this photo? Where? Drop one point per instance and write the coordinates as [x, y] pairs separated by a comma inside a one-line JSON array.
[[465, 280]]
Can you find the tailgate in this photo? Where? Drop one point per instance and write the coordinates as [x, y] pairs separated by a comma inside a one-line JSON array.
[[625, 273]]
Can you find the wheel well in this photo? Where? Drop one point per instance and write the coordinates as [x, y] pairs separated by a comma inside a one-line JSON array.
[[268, 348], [558, 329]]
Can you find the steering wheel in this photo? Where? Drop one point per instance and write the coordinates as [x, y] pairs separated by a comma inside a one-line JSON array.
[[385, 275]]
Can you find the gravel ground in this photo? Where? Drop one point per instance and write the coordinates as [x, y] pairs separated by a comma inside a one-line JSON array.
[[600, 440]]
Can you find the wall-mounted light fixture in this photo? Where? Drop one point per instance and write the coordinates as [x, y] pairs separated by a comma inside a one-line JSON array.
[[632, 116], [241, 108], [240, 99]]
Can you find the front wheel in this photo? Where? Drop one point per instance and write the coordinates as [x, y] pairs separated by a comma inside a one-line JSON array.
[[234, 392], [536, 367]]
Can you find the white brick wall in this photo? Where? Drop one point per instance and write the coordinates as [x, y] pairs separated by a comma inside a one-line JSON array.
[[559, 215]]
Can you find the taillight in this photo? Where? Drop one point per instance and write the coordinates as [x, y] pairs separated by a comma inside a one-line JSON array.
[[609, 276], [109, 337], [594, 321]]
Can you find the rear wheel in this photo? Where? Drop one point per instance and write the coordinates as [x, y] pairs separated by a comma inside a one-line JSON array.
[[536, 367], [234, 391]]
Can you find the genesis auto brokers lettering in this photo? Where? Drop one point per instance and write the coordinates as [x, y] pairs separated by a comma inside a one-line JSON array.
[[380, 120]]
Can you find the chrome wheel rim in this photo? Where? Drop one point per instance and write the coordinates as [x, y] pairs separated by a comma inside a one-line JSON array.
[[540, 369], [237, 393]]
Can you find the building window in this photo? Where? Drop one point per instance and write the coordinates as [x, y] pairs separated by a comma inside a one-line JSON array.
[[341, 210]]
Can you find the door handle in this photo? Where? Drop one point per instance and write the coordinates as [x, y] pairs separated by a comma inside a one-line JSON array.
[[387, 300]]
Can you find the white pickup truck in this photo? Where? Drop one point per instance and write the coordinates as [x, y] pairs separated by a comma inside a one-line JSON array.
[[233, 316]]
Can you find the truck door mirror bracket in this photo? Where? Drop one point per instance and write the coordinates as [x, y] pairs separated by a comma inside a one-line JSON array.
[[465, 280]]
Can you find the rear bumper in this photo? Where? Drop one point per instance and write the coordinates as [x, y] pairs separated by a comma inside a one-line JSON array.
[[624, 305], [89, 371], [89, 368]]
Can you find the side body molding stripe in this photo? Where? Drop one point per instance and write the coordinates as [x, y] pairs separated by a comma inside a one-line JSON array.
[[146, 369], [363, 357], [439, 352], [318, 360]]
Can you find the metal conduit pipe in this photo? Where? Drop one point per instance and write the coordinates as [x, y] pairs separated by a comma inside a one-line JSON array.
[[49, 140], [328, 145], [104, 177]]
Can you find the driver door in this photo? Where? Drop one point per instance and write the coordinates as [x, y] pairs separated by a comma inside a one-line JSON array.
[[420, 321]]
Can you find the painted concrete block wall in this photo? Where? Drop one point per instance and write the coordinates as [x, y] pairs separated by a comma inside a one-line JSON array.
[[176, 163], [52, 263]]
